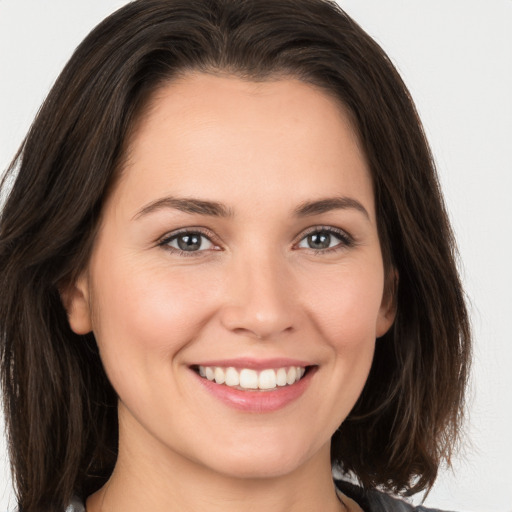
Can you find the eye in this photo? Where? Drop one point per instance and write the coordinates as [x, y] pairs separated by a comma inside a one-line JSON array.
[[323, 239], [188, 241]]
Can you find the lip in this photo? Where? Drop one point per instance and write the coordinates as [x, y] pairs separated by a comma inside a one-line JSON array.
[[257, 401], [255, 364]]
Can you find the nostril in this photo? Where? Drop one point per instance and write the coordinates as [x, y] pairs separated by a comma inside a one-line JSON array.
[[261, 333]]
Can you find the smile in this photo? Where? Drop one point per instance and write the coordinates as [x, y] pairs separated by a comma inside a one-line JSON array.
[[251, 379]]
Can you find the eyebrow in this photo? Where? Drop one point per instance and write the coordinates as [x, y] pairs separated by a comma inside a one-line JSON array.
[[187, 205], [216, 209], [328, 204]]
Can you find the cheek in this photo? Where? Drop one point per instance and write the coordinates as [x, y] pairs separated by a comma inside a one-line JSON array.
[[145, 317], [347, 306], [149, 309], [345, 311]]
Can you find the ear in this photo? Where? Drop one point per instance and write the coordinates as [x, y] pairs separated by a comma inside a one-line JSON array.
[[75, 298], [387, 311]]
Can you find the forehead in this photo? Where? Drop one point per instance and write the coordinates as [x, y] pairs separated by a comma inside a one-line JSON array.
[[222, 135]]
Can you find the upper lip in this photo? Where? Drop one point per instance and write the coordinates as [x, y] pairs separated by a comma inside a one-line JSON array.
[[255, 364]]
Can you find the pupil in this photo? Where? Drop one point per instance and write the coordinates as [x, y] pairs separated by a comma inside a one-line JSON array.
[[319, 240], [189, 242]]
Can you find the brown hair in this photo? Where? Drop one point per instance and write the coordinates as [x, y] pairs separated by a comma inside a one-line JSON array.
[[60, 408]]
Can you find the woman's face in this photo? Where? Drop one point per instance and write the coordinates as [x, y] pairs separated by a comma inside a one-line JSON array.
[[239, 245]]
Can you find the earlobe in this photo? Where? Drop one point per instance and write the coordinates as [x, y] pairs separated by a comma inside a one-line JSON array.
[[387, 312], [75, 299]]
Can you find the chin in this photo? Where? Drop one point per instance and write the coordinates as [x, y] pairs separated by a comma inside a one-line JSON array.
[[261, 461]]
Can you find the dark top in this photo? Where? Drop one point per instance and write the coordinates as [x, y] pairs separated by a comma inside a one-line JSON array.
[[369, 501], [376, 501]]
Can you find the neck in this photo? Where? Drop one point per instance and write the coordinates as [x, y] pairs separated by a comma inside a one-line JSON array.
[[160, 481]]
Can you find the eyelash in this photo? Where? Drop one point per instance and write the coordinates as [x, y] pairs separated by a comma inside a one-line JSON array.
[[345, 240], [202, 232]]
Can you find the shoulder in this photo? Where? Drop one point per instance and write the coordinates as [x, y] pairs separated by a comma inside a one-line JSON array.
[[368, 500], [75, 505], [376, 501]]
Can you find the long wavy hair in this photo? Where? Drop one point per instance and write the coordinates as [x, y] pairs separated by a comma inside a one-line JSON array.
[[61, 411]]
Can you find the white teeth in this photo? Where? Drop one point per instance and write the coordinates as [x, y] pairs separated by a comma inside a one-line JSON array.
[[291, 375], [220, 376], [251, 379], [267, 379], [232, 377], [281, 377]]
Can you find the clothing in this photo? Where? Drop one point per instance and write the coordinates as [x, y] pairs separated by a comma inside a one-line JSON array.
[[76, 505], [375, 501], [369, 501]]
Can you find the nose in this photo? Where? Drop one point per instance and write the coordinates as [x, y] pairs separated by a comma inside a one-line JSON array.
[[260, 302]]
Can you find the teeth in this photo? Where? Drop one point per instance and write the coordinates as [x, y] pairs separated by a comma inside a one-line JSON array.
[[281, 377], [291, 375], [220, 375], [246, 378], [232, 377], [267, 379], [249, 379]]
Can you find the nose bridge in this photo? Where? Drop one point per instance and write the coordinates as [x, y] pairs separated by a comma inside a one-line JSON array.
[[260, 302]]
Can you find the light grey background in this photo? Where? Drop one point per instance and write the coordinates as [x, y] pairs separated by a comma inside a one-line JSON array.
[[456, 57]]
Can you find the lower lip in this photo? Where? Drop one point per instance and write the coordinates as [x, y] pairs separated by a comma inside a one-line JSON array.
[[258, 401]]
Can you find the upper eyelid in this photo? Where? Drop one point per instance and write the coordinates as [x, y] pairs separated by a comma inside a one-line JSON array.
[[208, 233], [320, 228], [216, 240]]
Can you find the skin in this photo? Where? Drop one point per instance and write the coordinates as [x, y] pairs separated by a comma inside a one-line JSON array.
[[254, 289]]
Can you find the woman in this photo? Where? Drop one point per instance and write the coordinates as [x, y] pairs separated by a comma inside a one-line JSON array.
[[227, 270]]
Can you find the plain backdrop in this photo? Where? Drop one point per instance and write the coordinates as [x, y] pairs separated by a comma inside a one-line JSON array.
[[456, 57]]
